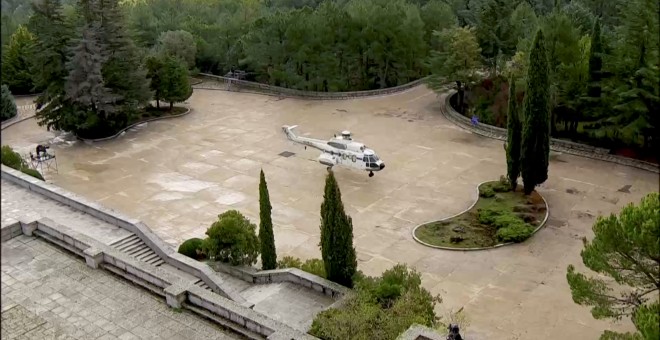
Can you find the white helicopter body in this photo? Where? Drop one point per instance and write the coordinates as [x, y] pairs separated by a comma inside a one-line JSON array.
[[341, 151]]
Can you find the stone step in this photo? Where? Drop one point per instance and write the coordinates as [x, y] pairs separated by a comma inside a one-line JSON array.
[[202, 284], [124, 240], [150, 257], [146, 255], [129, 244], [140, 250]]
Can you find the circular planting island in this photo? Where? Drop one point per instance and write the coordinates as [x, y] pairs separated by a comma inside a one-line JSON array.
[[498, 217]]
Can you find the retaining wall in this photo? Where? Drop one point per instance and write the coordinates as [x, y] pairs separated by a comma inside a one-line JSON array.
[[249, 86], [555, 144]]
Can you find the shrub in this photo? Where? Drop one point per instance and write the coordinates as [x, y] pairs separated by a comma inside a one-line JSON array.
[[7, 106], [403, 302], [312, 266], [516, 232], [506, 219], [486, 192], [192, 248], [232, 239], [32, 172], [487, 215], [11, 158]]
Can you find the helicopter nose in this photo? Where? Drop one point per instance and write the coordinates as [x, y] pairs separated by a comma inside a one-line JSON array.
[[382, 166]]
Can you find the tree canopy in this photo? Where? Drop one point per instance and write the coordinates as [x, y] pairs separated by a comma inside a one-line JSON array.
[[626, 249]]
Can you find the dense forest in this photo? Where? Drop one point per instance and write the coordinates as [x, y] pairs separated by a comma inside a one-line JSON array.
[[603, 53]]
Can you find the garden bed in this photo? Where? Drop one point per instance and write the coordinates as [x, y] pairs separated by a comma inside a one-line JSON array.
[[147, 114], [498, 217]]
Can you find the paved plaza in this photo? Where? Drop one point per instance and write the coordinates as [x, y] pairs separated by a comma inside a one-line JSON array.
[[177, 175], [50, 294]]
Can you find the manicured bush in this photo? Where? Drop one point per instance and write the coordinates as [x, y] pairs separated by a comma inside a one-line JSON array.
[[12, 158], [32, 172], [487, 215], [516, 232], [232, 239], [486, 192], [289, 262], [192, 248]]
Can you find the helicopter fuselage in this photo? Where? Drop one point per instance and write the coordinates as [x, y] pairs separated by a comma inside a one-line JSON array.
[[342, 151]]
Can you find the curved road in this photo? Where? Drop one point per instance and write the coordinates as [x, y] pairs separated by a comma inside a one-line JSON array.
[[178, 175]]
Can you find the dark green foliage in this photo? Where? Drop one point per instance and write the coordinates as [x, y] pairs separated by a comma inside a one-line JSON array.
[[626, 249], [486, 192], [174, 82], [516, 232], [336, 243], [266, 236], [49, 70], [179, 44], [192, 248], [14, 160], [8, 106], [312, 266], [513, 146], [232, 239], [16, 59], [595, 65], [381, 308], [11, 158], [536, 123]]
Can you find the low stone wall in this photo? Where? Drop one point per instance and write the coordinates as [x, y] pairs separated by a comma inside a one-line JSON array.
[[555, 144], [419, 332], [10, 229], [293, 275], [249, 86]]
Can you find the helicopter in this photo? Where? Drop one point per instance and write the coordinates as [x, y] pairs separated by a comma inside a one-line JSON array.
[[340, 151]]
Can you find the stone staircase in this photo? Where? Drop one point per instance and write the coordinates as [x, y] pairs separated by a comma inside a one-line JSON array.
[[135, 247]]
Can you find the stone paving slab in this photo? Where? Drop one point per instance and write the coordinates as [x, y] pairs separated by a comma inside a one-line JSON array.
[[49, 294], [19, 203], [178, 175]]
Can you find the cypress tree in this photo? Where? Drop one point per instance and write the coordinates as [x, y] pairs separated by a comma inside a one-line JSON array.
[[7, 105], [595, 62], [336, 244], [536, 118], [266, 237], [513, 139]]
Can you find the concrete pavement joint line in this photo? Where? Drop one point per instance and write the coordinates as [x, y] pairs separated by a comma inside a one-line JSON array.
[[577, 149], [176, 289], [545, 219]]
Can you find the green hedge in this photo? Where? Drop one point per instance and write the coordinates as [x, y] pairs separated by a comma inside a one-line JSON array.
[[191, 248], [14, 160]]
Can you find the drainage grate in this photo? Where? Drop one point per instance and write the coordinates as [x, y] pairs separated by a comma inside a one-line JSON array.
[[286, 154]]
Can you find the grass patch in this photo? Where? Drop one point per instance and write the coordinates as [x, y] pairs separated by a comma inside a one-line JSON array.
[[499, 216]]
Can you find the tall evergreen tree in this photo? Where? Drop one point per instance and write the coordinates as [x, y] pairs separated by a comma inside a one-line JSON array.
[[536, 121], [7, 105], [337, 248], [513, 139], [49, 71], [266, 237], [16, 60], [595, 62], [123, 72], [175, 86]]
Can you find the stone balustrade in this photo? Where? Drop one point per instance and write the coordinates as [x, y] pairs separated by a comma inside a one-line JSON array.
[[555, 144], [249, 86]]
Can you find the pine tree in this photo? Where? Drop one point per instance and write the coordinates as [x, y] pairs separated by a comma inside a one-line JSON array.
[[7, 106], [49, 71], [175, 85], [595, 62], [266, 237], [513, 141], [336, 244], [85, 87], [123, 72], [16, 60], [536, 118], [154, 68]]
